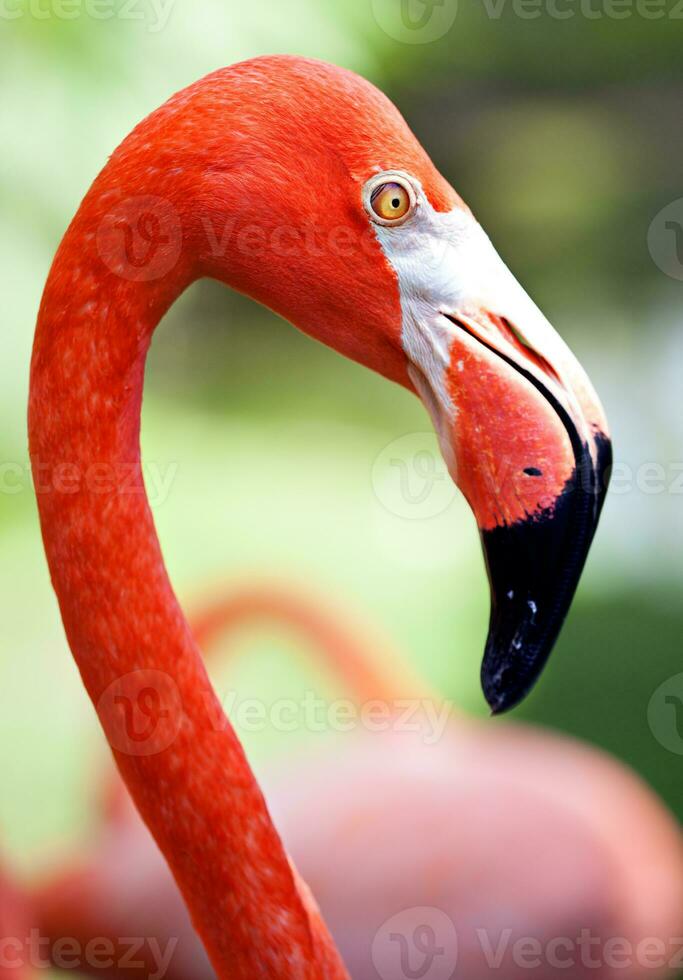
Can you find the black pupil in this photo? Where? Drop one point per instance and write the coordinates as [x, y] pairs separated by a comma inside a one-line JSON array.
[[395, 201]]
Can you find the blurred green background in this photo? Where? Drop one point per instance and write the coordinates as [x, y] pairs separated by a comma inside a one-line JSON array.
[[564, 137]]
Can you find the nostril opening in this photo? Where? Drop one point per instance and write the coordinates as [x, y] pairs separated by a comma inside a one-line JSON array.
[[533, 471]]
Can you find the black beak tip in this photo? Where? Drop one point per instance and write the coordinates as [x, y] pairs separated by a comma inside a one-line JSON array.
[[502, 690], [499, 704], [534, 566], [529, 599]]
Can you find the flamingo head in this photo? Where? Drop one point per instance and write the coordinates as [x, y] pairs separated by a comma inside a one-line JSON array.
[[321, 203]]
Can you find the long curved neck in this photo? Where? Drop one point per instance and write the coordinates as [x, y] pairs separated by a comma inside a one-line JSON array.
[[176, 750]]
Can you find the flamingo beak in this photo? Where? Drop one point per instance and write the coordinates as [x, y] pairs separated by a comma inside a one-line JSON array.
[[525, 438], [532, 458]]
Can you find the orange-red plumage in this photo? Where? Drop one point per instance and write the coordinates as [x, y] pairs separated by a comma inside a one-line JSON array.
[[255, 176]]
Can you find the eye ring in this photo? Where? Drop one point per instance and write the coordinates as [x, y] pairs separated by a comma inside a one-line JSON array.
[[374, 185]]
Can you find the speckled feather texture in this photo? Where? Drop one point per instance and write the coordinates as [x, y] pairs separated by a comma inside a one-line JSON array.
[[280, 145], [255, 176]]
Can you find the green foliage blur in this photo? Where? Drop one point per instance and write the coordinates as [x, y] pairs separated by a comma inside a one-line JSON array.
[[564, 136]]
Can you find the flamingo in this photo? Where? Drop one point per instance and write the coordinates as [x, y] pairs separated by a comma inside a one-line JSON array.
[[331, 214], [591, 834]]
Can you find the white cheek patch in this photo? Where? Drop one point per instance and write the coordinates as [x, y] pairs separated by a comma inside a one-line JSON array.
[[441, 261], [426, 253], [444, 261], [434, 256]]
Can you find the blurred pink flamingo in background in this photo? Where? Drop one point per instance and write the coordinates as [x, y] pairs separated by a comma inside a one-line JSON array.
[[382, 822], [16, 921]]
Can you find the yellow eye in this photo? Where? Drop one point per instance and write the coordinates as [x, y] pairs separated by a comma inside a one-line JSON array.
[[390, 198], [390, 201]]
